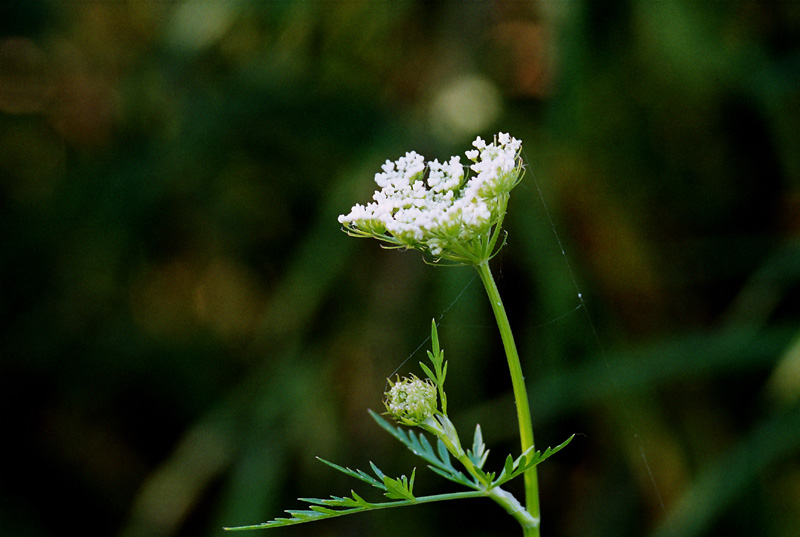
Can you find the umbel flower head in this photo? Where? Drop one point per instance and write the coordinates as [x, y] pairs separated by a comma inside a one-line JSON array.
[[411, 400], [442, 209]]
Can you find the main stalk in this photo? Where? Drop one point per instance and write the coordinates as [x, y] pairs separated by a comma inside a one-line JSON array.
[[520, 393]]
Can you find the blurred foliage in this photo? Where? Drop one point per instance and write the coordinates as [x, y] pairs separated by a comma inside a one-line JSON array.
[[183, 326]]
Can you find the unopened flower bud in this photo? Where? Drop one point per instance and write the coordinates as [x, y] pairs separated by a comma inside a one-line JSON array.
[[411, 400]]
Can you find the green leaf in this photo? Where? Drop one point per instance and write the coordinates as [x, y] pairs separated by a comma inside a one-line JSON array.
[[334, 501], [358, 474], [439, 371], [478, 453], [377, 471], [429, 373], [513, 468], [400, 488], [434, 338], [438, 460], [335, 506], [508, 467]]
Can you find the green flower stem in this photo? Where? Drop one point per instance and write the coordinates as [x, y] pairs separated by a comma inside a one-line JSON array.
[[520, 393]]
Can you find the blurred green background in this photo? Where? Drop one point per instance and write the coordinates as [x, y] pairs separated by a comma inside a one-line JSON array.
[[184, 327]]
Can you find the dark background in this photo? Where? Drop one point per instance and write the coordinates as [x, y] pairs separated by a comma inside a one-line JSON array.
[[184, 327]]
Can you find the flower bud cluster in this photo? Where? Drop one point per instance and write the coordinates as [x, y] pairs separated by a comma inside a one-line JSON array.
[[435, 207], [411, 400]]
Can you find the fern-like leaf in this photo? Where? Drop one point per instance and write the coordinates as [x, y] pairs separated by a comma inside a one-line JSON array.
[[336, 506], [478, 453], [401, 488], [438, 460], [358, 474], [516, 467]]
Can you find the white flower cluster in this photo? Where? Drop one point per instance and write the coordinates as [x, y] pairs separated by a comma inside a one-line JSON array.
[[445, 209], [411, 400]]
